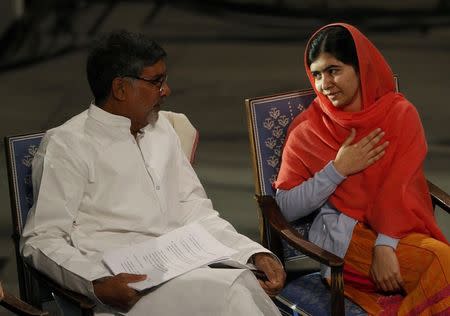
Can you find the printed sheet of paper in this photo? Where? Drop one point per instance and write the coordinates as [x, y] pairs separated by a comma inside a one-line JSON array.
[[168, 256]]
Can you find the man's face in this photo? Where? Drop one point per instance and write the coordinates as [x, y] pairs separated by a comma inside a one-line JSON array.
[[147, 96]]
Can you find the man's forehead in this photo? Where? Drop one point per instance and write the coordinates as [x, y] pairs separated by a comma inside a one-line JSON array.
[[157, 69]]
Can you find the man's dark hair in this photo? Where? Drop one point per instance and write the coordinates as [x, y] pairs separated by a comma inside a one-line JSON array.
[[117, 54], [338, 42]]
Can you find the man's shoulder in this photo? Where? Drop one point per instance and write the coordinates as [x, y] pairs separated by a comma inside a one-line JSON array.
[[69, 134]]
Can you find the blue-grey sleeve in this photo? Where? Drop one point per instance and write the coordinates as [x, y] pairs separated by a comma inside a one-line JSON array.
[[384, 240], [310, 195]]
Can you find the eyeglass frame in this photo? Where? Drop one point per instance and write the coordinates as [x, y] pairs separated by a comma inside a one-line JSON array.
[[158, 83]]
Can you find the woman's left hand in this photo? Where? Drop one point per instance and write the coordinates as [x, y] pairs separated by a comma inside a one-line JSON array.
[[385, 269], [274, 271]]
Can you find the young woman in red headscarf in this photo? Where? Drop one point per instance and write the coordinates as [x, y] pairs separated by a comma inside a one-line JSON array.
[[356, 154]]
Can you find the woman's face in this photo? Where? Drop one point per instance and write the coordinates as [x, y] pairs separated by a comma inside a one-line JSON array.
[[339, 82]]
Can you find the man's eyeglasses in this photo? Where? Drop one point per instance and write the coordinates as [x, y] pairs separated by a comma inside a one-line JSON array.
[[158, 82]]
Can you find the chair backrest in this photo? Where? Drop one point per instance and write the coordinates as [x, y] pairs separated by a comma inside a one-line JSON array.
[[268, 121], [20, 151], [187, 133]]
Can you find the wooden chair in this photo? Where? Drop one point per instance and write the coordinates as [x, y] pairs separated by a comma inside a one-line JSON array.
[[17, 306], [268, 120], [35, 287]]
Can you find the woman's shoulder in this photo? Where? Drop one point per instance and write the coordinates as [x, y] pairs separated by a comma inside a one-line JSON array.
[[303, 119], [403, 108], [403, 117]]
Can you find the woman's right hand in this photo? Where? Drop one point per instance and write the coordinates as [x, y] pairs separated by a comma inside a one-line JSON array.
[[353, 158]]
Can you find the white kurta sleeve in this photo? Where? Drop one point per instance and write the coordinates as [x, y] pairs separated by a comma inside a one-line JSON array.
[[59, 178], [197, 207]]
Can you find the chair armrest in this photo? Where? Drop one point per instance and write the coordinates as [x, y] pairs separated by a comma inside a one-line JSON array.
[[272, 212], [83, 302], [439, 197], [18, 306]]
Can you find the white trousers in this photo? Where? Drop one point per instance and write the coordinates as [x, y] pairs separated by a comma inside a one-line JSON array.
[[205, 292]]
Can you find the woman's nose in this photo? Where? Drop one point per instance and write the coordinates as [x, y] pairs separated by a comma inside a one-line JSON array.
[[327, 82]]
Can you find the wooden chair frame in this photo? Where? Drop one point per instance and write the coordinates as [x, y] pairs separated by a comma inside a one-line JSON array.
[[18, 306]]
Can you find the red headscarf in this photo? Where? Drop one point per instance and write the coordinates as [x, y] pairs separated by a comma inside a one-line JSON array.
[[391, 196]]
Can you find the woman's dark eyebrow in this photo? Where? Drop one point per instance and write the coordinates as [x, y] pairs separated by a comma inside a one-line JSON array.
[[326, 69], [330, 66]]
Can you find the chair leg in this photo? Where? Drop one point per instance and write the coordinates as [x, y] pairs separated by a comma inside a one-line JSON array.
[[337, 292]]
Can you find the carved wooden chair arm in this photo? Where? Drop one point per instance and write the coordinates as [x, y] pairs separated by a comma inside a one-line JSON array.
[[439, 197], [18, 306], [84, 303], [272, 213]]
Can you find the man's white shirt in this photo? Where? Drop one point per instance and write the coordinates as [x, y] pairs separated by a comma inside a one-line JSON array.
[[97, 188]]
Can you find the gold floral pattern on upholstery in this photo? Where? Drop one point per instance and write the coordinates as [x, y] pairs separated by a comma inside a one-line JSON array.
[[272, 117]]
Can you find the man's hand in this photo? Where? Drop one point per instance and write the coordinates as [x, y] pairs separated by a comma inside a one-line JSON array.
[[114, 290], [385, 270], [273, 270], [354, 158]]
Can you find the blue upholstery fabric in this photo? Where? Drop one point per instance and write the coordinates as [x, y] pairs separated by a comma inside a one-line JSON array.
[[308, 295], [22, 150], [271, 117], [302, 226]]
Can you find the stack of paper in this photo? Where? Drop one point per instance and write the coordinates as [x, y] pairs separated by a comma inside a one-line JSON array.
[[168, 256]]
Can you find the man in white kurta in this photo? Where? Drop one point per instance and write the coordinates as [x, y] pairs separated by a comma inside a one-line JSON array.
[[103, 180]]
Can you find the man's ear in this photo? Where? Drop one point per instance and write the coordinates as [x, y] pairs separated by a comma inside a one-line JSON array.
[[118, 88]]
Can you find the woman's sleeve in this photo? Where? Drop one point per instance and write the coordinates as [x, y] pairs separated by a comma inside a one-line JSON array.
[[311, 194]]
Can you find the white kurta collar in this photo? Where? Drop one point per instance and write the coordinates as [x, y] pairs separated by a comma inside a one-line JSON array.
[[107, 118]]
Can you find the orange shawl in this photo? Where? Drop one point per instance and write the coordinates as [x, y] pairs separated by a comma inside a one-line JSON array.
[[391, 196]]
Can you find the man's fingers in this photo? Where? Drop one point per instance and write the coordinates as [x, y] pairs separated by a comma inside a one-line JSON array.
[[275, 280], [132, 278], [268, 288], [275, 273], [350, 138], [264, 286]]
